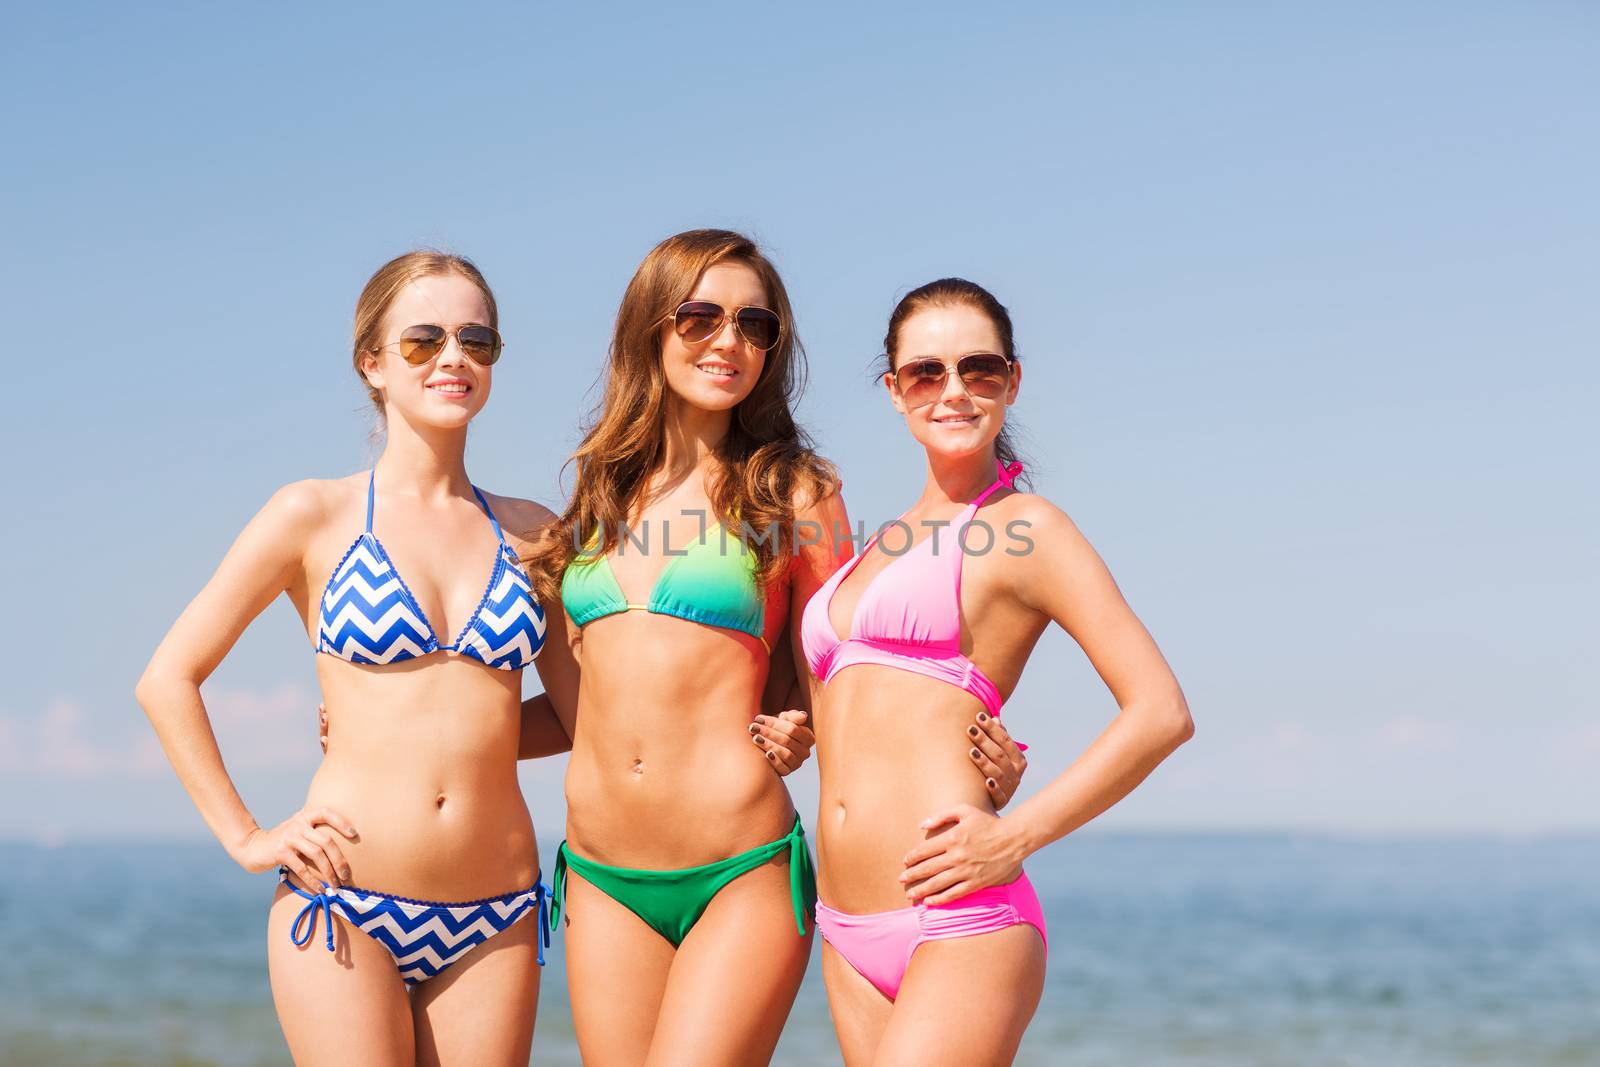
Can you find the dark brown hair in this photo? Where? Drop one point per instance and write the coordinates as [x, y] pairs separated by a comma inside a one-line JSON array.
[[766, 459], [956, 292]]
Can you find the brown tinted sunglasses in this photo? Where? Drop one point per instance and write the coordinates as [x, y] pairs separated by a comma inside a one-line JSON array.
[[697, 320], [418, 344], [983, 374]]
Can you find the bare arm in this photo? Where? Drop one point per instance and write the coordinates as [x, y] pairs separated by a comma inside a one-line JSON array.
[[550, 719], [1065, 579], [780, 730], [1071, 585], [814, 565], [265, 560]]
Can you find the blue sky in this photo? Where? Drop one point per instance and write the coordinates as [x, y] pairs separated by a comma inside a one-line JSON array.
[[1305, 296]]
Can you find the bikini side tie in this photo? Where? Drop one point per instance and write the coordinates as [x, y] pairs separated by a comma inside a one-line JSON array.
[[316, 902]]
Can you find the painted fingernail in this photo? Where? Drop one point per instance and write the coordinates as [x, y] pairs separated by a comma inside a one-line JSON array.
[[983, 717], [754, 727], [990, 782], [974, 753], [772, 758], [972, 732], [760, 740]]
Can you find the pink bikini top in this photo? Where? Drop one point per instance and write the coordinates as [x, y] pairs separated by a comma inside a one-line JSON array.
[[909, 616]]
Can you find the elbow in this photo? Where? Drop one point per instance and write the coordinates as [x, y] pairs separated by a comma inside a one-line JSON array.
[[1177, 725], [142, 690], [147, 691], [155, 688], [1184, 729]]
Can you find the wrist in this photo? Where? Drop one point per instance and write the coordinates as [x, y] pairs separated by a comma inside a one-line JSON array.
[[1024, 833], [241, 841]]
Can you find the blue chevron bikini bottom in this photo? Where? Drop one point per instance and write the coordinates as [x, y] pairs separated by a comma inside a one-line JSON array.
[[424, 937]]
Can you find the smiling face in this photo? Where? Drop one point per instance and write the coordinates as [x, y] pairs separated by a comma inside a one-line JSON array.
[[960, 422], [449, 389], [717, 373]]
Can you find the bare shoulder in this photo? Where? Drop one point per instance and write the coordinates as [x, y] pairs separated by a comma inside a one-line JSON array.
[[1043, 553], [818, 501], [297, 524], [1037, 512], [309, 504], [1034, 533], [522, 520], [822, 526]]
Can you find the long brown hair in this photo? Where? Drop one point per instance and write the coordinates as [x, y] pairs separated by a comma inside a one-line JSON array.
[[957, 292], [766, 459], [381, 290]]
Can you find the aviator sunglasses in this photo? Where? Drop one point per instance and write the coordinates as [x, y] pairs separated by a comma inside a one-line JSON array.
[[418, 344], [985, 375], [696, 320]]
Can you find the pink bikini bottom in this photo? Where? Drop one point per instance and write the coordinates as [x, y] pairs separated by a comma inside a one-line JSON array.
[[879, 946]]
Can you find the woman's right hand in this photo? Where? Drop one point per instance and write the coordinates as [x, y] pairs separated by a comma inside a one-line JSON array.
[[307, 843], [785, 739]]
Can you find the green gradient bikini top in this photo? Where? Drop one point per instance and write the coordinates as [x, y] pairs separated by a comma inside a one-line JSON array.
[[710, 584]]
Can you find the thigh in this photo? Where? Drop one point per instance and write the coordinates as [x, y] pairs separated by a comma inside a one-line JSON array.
[[859, 1011], [320, 994], [616, 972], [735, 976], [966, 1001], [480, 1009]]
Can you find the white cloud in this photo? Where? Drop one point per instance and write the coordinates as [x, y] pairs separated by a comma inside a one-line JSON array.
[[1411, 733], [64, 742], [1581, 744], [273, 730], [1289, 738]]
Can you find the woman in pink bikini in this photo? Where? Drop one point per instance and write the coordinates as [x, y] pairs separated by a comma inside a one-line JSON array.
[[924, 906]]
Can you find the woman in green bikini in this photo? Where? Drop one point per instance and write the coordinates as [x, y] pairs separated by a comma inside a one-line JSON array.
[[685, 880]]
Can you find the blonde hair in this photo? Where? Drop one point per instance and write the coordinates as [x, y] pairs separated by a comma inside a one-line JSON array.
[[384, 287]]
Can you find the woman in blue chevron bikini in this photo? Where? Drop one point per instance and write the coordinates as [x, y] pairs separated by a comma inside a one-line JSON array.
[[408, 582]]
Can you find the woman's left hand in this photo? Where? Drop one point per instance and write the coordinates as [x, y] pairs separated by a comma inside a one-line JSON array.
[[975, 852], [998, 757]]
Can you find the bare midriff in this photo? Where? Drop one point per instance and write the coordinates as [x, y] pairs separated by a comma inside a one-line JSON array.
[[887, 762], [663, 773], [422, 759]]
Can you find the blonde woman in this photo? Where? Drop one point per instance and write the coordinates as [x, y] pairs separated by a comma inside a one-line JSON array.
[[397, 933]]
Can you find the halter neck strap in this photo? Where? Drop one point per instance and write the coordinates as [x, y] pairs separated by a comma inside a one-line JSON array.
[[489, 512], [372, 478], [1006, 475]]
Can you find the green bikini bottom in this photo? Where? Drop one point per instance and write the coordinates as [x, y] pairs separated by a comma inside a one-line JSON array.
[[671, 902]]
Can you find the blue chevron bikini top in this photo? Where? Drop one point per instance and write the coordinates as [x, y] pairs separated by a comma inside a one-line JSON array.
[[369, 615]]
